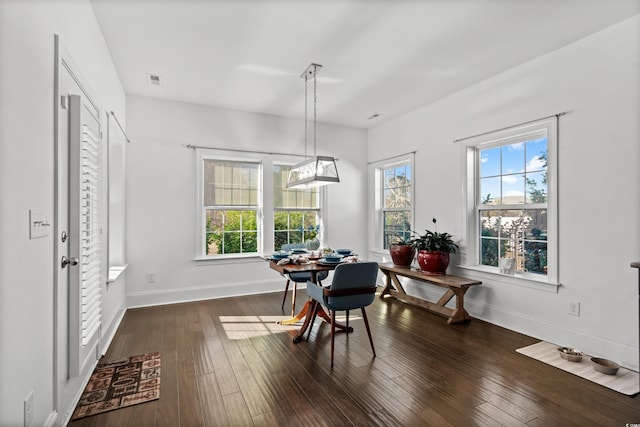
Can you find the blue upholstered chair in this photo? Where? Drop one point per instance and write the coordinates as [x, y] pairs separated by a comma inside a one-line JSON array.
[[297, 278], [353, 286]]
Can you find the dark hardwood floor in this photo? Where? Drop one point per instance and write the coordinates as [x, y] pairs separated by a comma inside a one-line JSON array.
[[226, 363]]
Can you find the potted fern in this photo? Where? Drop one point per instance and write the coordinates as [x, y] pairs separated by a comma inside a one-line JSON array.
[[434, 249]]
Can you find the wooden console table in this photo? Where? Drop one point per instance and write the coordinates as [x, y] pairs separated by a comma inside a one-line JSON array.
[[456, 286]]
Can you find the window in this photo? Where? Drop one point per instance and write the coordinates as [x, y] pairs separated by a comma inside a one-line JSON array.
[[116, 159], [396, 203], [296, 215], [244, 207], [231, 204], [393, 195], [511, 200]]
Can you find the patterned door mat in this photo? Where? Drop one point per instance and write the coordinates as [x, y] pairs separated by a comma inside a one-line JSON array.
[[120, 383]]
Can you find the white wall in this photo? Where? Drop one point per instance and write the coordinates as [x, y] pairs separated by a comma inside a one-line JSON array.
[[597, 81], [26, 182], [161, 196]]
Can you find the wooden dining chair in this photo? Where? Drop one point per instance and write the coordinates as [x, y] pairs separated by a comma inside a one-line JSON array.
[[353, 286]]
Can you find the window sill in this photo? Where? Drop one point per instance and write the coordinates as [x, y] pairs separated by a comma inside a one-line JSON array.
[[229, 259], [519, 279], [115, 272], [379, 251]]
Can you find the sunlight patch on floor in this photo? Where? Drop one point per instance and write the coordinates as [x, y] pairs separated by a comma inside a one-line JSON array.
[[244, 327]]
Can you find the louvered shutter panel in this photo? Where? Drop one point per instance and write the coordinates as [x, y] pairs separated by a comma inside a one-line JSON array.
[[85, 278], [90, 227]]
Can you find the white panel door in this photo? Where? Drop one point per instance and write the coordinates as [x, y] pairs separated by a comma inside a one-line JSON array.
[[74, 355]]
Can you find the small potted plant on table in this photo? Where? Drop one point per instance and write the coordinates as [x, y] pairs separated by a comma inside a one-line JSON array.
[[434, 250]]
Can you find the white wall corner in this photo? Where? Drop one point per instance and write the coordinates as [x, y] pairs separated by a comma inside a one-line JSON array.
[[199, 293], [110, 328]]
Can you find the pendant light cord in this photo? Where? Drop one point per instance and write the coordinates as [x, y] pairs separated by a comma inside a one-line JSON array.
[[315, 106], [306, 79]]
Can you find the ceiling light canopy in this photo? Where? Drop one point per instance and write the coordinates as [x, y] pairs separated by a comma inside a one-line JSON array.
[[317, 170]]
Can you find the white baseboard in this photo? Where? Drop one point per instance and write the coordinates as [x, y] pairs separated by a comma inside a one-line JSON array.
[[198, 293], [624, 354], [86, 377], [110, 331], [51, 419]]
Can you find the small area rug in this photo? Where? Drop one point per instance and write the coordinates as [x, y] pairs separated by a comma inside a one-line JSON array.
[[120, 383], [625, 381]]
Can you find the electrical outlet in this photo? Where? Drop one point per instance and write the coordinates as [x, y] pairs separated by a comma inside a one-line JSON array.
[[151, 277], [28, 409], [574, 308]]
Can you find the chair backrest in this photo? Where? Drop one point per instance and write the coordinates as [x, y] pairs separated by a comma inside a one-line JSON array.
[[289, 246], [302, 277], [352, 275]]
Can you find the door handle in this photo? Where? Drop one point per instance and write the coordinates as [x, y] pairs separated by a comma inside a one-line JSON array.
[[69, 261]]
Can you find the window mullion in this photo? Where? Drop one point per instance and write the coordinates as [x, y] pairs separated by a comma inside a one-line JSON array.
[[517, 207]]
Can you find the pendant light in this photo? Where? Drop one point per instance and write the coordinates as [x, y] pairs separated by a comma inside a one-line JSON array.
[[317, 170]]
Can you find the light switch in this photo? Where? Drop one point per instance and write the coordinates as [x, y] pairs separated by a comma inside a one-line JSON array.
[[39, 223]]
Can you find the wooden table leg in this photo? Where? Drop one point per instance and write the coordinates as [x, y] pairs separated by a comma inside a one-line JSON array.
[[455, 287], [387, 286], [298, 317], [392, 282], [311, 306], [306, 313], [459, 313], [293, 298], [444, 299], [295, 318]]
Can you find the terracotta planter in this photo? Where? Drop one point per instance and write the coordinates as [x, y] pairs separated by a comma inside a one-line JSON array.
[[402, 255], [433, 262]]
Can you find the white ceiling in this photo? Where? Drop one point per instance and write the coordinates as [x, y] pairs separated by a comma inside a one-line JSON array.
[[379, 56]]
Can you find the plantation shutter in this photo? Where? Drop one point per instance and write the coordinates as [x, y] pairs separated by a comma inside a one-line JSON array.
[[91, 301], [85, 188]]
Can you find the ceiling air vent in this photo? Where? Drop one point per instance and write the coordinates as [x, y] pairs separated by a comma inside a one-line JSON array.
[[153, 79]]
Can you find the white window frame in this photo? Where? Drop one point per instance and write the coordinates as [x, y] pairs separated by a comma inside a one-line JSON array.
[[265, 211], [201, 156], [115, 198], [376, 170], [469, 255], [319, 210]]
